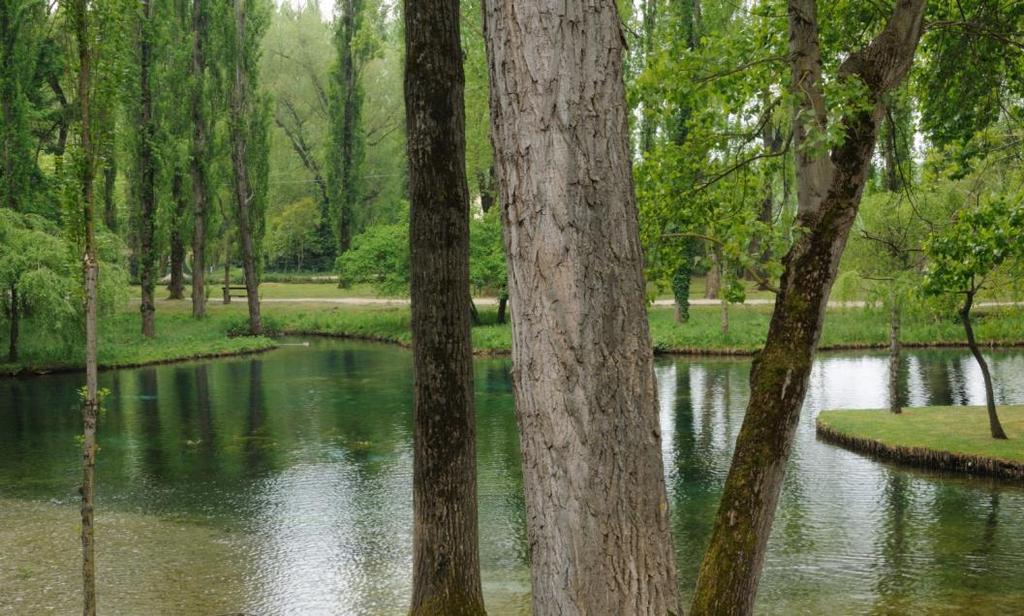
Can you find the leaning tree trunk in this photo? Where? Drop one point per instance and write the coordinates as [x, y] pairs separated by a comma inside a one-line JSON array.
[[13, 313], [829, 193], [176, 288], [586, 403], [895, 401], [446, 560], [147, 177], [990, 399], [197, 165], [243, 187], [90, 406]]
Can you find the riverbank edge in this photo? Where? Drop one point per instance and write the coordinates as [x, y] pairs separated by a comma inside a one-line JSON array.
[[922, 457], [737, 352], [32, 371], [669, 351]]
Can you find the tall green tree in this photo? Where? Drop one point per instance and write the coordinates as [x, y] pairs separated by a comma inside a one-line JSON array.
[[446, 554], [962, 259], [78, 14], [586, 402], [147, 247], [346, 101], [248, 136], [22, 26], [831, 176]]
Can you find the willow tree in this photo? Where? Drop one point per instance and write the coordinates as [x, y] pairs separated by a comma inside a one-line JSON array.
[[830, 181], [248, 136], [586, 404], [22, 25], [446, 560]]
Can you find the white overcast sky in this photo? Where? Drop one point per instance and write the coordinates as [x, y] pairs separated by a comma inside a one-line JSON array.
[[326, 6]]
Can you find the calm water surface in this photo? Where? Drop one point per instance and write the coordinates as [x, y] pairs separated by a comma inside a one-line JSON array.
[[281, 484]]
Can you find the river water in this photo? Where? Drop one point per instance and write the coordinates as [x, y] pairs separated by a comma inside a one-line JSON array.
[[281, 484]]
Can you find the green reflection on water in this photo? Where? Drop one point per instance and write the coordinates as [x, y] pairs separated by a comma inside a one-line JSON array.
[[282, 485]]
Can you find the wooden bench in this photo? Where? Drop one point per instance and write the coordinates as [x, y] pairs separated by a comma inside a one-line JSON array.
[[231, 291]]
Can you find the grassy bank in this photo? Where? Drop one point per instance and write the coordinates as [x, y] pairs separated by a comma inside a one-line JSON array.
[[122, 345], [953, 438], [844, 328], [179, 337]]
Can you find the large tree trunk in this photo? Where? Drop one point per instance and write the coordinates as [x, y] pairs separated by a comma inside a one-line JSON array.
[[990, 399], [12, 349], [446, 561], [176, 288], [895, 401], [90, 407], [243, 187], [147, 176], [830, 188], [197, 164], [597, 510]]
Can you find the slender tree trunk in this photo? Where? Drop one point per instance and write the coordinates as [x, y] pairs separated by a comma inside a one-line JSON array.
[[586, 403], [829, 193], [724, 320], [713, 285], [895, 401], [90, 407], [502, 306], [243, 187], [474, 314], [12, 352], [446, 561], [197, 165], [147, 176], [990, 399], [176, 288], [109, 184], [227, 274]]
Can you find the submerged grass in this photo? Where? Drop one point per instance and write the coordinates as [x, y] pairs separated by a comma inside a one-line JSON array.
[[179, 337], [947, 437]]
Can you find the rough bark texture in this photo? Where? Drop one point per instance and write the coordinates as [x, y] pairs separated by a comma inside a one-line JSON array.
[[895, 401], [446, 561], [147, 176], [597, 512], [13, 316], [197, 164], [176, 287], [90, 406], [830, 188], [239, 108], [990, 400]]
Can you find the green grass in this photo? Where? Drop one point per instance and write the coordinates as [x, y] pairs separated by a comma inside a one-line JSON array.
[[179, 337], [844, 328], [953, 429], [121, 343]]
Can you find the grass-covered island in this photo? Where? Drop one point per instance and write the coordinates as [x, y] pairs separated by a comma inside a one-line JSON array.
[[954, 438]]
